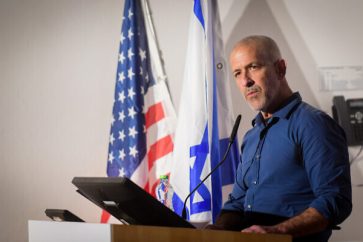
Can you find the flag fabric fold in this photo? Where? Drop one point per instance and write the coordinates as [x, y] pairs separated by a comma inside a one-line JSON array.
[[205, 120], [143, 116]]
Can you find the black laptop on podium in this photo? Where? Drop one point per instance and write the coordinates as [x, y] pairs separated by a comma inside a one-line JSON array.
[[127, 202]]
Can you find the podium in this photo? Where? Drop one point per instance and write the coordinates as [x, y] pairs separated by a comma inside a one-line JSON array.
[[45, 231]]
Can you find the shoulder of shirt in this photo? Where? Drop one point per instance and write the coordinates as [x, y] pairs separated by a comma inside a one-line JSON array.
[[309, 112], [307, 115]]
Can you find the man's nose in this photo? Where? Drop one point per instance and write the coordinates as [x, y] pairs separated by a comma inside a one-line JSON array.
[[245, 80]]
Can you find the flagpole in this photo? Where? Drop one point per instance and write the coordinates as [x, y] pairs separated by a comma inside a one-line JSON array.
[[153, 45], [157, 61]]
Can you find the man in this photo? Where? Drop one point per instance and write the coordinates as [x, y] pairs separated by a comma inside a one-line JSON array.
[[293, 176]]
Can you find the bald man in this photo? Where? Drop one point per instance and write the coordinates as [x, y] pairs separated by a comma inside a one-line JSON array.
[[293, 175]]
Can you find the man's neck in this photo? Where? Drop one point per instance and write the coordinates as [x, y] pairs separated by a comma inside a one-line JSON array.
[[266, 115], [284, 96]]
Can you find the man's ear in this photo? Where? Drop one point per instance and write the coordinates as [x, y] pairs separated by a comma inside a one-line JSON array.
[[281, 68]]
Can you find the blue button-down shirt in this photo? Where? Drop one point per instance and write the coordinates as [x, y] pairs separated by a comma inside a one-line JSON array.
[[297, 159]]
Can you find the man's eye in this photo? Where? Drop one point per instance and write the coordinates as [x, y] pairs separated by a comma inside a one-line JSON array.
[[236, 74], [254, 67]]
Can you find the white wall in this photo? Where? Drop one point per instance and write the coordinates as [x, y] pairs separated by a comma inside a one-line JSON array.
[[57, 73]]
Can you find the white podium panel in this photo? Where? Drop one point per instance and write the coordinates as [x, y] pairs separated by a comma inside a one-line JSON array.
[[50, 231]]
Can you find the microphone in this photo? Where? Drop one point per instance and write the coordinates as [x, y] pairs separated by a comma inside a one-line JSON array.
[[231, 140]]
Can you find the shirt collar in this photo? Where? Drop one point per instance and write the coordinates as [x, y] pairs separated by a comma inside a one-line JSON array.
[[284, 112]]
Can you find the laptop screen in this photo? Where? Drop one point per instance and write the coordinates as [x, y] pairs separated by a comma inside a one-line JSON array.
[[127, 202]]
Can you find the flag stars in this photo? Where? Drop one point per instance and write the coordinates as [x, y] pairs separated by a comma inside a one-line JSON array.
[[132, 112], [112, 139], [131, 93], [122, 154], [121, 77], [121, 96], [121, 172], [130, 73], [130, 14], [130, 54], [142, 54], [110, 157], [130, 34], [121, 116], [112, 120], [122, 38], [121, 135], [121, 57], [133, 151], [141, 71], [132, 132]]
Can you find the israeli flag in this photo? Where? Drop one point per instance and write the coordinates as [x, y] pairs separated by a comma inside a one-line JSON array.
[[205, 120]]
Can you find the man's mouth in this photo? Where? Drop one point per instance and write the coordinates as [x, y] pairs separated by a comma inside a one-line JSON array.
[[251, 93]]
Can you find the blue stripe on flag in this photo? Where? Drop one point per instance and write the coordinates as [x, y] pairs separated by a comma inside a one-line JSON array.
[[198, 12], [200, 152], [178, 205], [215, 154]]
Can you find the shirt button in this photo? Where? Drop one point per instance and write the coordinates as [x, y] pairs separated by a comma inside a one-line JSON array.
[[254, 182], [249, 206]]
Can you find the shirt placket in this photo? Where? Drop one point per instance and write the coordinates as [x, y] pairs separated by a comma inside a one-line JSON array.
[[254, 171]]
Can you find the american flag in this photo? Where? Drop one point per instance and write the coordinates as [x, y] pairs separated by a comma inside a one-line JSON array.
[[141, 140]]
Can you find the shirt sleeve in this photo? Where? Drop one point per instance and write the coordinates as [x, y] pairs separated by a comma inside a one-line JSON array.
[[326, 161]]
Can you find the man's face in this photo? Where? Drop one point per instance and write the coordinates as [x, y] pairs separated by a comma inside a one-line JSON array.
[[255, 76]]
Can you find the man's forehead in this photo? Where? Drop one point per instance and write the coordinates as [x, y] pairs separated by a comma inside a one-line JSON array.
[[246, 51]]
